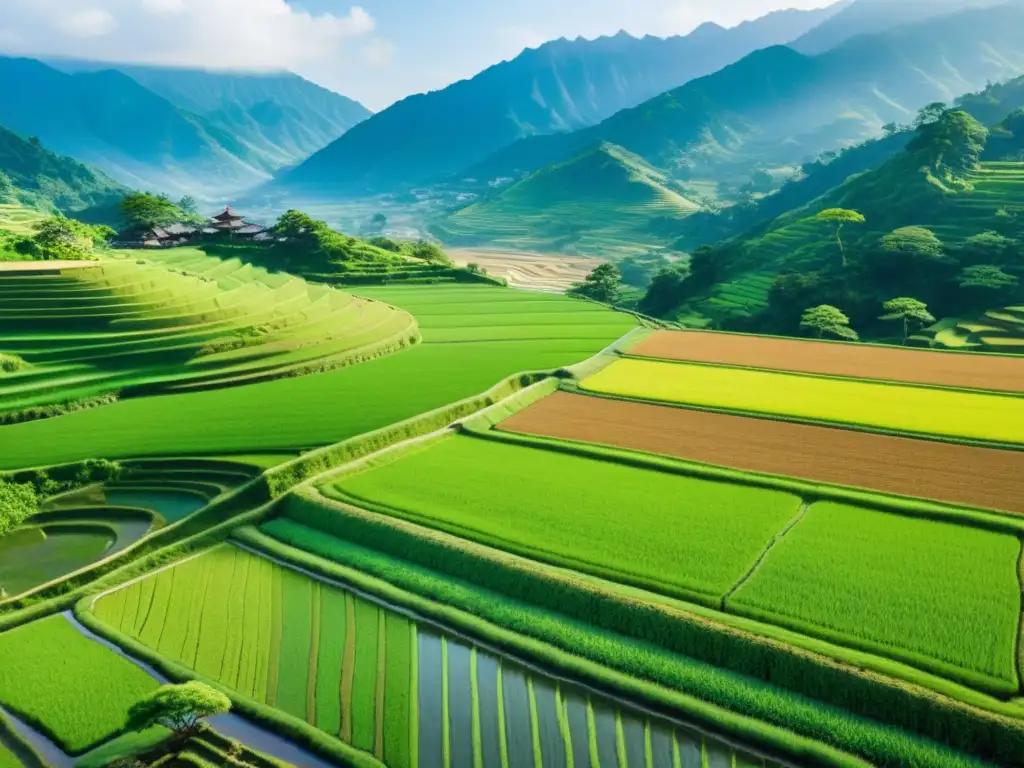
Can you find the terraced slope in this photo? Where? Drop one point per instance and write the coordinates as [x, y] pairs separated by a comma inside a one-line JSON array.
[[179, 320], [474, 336], [603, 203]]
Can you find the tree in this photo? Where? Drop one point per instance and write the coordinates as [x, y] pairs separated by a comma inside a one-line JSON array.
[[828, 319], [188, 206], [7, 191], [986, 276], [603, 284], [913, 244], [59, 237], [929, 114], [840, 217], [18, 501], [989, 248], [424, 249], [910, 311], [951, 145], [142, 210], [179, 708], [666, 291]]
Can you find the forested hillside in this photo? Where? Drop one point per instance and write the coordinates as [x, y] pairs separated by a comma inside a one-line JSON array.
[[561, 86], [940, 222], [37, 178]]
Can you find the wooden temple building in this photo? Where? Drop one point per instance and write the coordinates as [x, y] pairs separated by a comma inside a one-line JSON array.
[[227, 222]]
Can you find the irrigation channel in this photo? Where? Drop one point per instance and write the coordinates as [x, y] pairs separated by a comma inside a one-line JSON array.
[[506, 711]]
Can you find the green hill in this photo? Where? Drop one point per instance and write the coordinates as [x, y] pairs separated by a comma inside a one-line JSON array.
[[933, 211], [605, 202], [777, 107], [37, 178]]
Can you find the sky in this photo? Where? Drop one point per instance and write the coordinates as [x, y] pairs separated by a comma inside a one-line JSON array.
[[375, 51]]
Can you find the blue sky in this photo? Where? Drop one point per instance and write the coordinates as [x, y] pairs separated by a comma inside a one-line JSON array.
[[376, 51]]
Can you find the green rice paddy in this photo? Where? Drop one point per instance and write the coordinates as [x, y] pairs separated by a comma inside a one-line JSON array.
[[904, 586], [69, 687], [698, 545], [379, 680], [312, 410], [947, 413]]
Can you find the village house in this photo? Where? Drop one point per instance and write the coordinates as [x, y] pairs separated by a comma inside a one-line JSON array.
[[227, 222]]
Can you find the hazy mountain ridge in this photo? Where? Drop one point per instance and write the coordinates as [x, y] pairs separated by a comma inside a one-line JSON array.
[[108, 119], [559, 87], [780, 106]]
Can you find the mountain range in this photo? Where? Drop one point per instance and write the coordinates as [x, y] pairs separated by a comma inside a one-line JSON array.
[[559, 87], [171, 130], [779, 106]]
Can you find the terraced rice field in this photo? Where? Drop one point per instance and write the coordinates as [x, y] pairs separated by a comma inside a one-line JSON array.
[[958, 474], [857, 361], [18, 219], [474, 337], [525, 269], [917, 410], [697, 546], [409, 694], [915, 589], [69, 687], [183, 320]]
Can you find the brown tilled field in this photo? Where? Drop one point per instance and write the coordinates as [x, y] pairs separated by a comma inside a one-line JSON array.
[[554, 273], [914, 366], [958, 474]]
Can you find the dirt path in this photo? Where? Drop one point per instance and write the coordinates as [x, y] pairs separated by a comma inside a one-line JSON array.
[[915, 366], [44, 266], [981, 477]]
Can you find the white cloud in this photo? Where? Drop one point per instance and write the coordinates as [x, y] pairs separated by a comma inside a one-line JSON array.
[[379, 52], [263, 34], [88, 22]]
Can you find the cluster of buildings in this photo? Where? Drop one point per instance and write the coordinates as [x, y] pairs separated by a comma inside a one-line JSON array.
[[226, 223]]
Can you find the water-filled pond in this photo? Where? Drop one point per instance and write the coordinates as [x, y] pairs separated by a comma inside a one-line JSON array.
[[35, 555], [171, 504]]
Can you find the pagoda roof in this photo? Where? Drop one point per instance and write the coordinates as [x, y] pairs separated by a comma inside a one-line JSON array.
[[228, 214]]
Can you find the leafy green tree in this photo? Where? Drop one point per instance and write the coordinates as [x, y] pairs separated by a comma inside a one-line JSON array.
[[912, 245], [989, 248], [840, 217], [142, 210], [951, 145], [59, 237], [987, 277], [603, 284], [179, 708], [929, 114], [828, 319], [18, 501], [7, 191], [188, 206], [666, 291], [423, 249], [911, 311]]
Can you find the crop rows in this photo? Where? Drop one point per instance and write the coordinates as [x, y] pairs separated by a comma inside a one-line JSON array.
[[940, 596], [916, 410], [309, 649], [183, 319], [374, 679], [325, 408]]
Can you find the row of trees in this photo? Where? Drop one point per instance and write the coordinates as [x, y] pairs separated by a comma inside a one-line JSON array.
[[826, 319]]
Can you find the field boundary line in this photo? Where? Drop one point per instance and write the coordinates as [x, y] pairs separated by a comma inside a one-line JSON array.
[[1020, 629], [146, 575], [801, 512]]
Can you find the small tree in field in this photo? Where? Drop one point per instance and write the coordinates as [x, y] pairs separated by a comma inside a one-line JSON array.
[[603, 284], [179, 708], [828, 319], [840, 217], [910, 311]]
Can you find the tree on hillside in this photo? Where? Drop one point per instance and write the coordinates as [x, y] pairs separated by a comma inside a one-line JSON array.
[[142, 210], [59, 237], [911, 311], [603, 284], [424, 249], [986, 285], [7, 191], [665, 292], [929, 114], [989, 248], [951, 145], [18, 501], [179, 708], [840, 217], [828, 319], [912, 244]]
